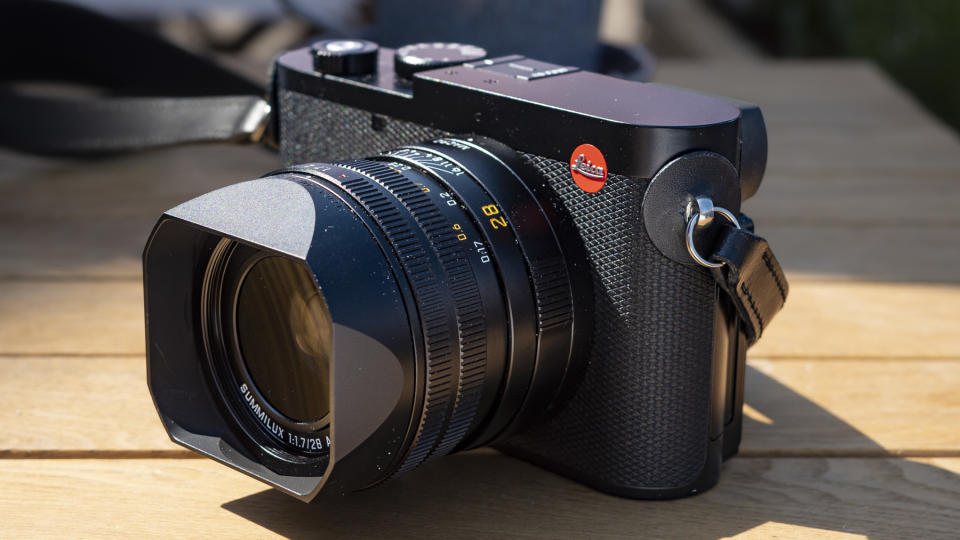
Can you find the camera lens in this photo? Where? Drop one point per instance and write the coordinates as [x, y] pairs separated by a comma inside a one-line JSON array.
[[452, 256], [283, 329]]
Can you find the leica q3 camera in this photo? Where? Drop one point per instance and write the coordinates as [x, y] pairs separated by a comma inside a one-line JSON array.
[[460, 251]]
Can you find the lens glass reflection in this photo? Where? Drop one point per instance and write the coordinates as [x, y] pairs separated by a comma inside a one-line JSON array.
[[284, 333]]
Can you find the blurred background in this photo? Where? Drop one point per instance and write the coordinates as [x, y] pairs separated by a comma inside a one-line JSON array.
[[914, 41]]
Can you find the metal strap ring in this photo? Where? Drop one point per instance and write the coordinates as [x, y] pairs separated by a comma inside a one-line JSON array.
[[692, 227]]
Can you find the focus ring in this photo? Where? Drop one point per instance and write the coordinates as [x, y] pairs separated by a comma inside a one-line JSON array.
[[446, 417], [423, 272]]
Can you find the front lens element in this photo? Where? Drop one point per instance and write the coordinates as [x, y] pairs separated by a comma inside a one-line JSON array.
[[284, 334]]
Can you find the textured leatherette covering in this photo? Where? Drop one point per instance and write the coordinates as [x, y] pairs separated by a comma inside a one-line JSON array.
[[639, 417], [314, 130]]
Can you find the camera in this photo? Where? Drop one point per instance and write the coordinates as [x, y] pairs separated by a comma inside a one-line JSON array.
[[460, 251]]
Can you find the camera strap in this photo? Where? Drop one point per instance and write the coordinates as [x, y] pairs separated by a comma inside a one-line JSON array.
[[751, 275], [743, 265], [145, 91]]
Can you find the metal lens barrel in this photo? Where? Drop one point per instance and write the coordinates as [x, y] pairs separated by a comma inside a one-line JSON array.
[[486, 267]]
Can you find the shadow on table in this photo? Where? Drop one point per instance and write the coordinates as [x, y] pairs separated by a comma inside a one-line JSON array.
[[485, 494]]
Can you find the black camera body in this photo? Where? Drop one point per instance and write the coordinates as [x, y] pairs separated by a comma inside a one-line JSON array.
[[639, 352], [650, 418]]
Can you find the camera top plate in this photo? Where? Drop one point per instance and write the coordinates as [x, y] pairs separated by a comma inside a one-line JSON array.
[[539, 108]]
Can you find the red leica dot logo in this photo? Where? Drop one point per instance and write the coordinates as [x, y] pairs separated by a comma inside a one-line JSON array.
[[588, 168]]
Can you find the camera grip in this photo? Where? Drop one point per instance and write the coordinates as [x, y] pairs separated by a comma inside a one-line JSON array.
[[639, 423]]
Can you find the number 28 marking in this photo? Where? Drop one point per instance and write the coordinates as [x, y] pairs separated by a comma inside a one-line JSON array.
[[496, 221]]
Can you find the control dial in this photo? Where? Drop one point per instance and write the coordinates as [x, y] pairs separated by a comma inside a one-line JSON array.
[[423, 56], [344, 56]]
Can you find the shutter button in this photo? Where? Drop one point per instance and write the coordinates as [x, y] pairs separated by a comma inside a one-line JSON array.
[[344, 56]]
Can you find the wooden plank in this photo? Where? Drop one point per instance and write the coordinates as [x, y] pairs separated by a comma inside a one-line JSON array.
[[98, 248], [75, 317], [51, 406], [839, 198], [480, 495], [92, 218], [883, 150], [133, 185], [865, 320], [817, 251], [808, 247], [844, 84], [846, 145], [822, 319], [839, 212], [68, 404], [885, 253], [852, 407]]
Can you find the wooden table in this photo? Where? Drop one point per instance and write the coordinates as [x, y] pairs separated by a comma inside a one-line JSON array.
[[853, 398]]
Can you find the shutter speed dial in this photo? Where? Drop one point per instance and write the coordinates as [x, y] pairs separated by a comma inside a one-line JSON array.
[[410, 59]]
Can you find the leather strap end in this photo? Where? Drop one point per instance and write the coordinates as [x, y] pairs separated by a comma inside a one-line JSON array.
[[752, 277]]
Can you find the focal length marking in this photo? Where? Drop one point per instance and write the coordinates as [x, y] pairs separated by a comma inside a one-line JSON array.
[[309, 444]]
